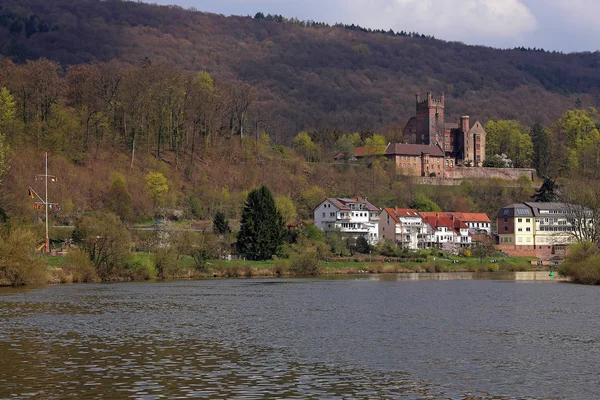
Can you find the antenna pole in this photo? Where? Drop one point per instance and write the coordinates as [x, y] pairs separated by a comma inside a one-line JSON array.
[[46, 201]]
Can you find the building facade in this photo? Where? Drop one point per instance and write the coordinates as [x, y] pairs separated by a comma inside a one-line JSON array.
[[462, 142], [539, 230], [402, 226], [354, 217]]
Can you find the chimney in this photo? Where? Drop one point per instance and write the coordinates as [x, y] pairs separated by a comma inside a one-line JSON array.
[[464, 123], [417, 97]]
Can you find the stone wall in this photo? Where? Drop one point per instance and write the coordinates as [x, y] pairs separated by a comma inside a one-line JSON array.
[[509, 174]]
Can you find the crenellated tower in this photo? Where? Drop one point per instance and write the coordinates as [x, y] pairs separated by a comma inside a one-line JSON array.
[[430, 120]]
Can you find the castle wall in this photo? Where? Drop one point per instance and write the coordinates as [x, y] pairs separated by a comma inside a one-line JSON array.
[[509, 174]]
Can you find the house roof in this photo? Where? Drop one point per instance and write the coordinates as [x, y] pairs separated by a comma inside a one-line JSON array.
[[465, 217], [397, 213], [472, 217], [414, 149], [477, 128], [344, 203], [514, 210]]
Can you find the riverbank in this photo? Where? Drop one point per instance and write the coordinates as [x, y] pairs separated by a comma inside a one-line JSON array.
[[145, 270]]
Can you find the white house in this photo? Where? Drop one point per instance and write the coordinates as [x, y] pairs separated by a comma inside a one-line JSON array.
[[352, 216], [440, 229], [402, 226]]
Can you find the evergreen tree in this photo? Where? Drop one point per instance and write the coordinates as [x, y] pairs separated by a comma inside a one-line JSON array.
[[220, 224], [541, 148], [262, 227], [546, 192]]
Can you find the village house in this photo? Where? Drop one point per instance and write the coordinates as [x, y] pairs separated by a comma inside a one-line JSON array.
[[401, 226], [354, 217], [540, 230], [478, 223], [439, 229]]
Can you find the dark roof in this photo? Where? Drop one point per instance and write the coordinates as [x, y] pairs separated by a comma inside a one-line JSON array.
[[414, 149], [515, 210]]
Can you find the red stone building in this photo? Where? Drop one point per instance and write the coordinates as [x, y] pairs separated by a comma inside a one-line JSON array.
[[463, 142]]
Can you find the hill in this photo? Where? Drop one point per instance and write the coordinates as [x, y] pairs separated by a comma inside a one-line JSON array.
[[306, 75]]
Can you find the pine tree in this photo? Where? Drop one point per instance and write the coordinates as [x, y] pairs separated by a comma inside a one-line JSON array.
[[220, 224], [262, 227], [547, 192]]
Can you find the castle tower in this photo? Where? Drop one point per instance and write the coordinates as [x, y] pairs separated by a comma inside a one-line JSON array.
[[430, 120]]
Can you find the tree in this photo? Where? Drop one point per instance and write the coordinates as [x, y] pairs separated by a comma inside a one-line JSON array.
[[286, 208], [106, 240], [7, 120], [262, 226], [157, 187], [118, 198], [541, 140], [220, 224], [547, 192], [362, 245], [510, 138], [484, 248], [495, 161], [304, 144], [376, 144], [424, 204]]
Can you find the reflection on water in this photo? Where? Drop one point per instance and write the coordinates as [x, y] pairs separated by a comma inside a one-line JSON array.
[[351, 338]]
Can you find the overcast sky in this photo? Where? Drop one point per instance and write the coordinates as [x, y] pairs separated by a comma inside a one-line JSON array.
[[567, 25]]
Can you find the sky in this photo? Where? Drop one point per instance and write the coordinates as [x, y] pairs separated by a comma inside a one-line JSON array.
[[563, 25]]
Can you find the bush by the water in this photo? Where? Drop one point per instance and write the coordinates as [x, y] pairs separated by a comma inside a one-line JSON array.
[[582, 264], [306, 263], [18, 263], [79, 265]]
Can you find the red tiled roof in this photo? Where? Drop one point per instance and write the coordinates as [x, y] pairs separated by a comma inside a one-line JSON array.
[[397, 213], [466, 217], [414, 149]]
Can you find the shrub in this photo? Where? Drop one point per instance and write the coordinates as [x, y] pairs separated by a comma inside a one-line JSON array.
[[140, 267], [582, 264], [306, 264], [79, 265], [282, 267], [18, 263]]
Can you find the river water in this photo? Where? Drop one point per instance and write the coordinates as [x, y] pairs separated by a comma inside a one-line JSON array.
[[366, 337]]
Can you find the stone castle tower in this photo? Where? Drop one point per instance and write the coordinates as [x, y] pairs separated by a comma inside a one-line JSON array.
[[430, 120]]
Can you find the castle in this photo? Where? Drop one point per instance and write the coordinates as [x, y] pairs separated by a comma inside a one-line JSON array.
[[463, 143]]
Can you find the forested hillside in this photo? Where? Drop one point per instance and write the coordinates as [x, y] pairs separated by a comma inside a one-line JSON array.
[[305, 75]]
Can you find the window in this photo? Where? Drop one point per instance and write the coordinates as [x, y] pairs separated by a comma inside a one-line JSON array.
[[528, 229], [506, 229], [520, 220], [520, 229], [528, 220], [323, 215], [505, 219]]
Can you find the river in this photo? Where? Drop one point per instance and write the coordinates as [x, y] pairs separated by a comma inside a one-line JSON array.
[[386, 336]]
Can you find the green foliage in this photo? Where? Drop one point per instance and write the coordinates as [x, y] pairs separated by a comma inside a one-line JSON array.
[[376, 145], [304, 144], [195, 206], [542, 145], [548, 192], [362, 245], [510, 138], [157, 187], [77, 263], [496, 161], [286, 208], [118, 198], [262, 227], [345, 147], [582, 264], [18, 263], [220, 224], [424, 204], [306, 263], [106, 240]]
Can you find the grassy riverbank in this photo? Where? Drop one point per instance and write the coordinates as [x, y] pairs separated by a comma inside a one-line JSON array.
[[141, 267]]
